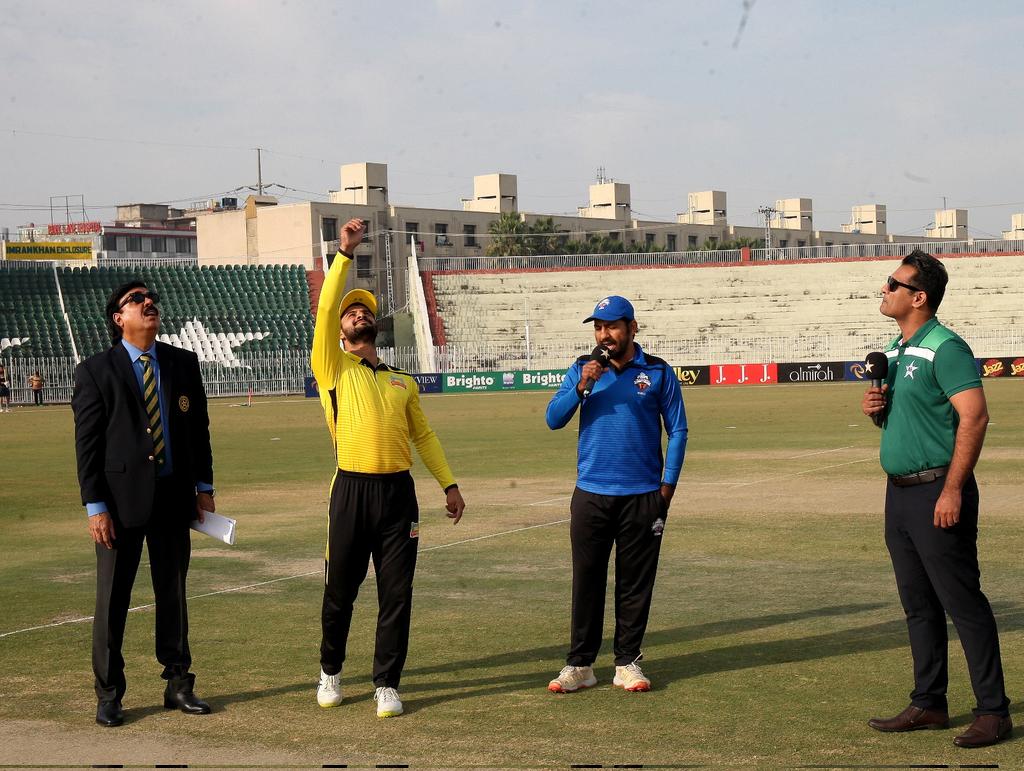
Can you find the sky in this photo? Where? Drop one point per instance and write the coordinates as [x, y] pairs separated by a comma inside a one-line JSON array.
[[903, 103]]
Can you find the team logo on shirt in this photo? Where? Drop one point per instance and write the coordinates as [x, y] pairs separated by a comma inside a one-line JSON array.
[[183, 403], [910, 370], [658, 527], [642, 382], [414, 530], [398, 382]]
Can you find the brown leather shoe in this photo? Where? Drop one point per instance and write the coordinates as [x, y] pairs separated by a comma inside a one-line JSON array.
[[985, 730], [911, 719]]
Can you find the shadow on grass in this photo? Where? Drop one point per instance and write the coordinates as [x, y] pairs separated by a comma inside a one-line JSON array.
[[219, 702], [878, 636], [654, 638]]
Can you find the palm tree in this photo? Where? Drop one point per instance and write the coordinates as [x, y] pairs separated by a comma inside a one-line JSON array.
[[508, 231]]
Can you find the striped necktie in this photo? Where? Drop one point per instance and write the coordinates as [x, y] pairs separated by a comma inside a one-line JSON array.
[[151, 399]]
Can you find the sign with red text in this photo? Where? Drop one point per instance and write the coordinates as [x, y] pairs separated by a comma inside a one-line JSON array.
[[74, 228], [744, 374]]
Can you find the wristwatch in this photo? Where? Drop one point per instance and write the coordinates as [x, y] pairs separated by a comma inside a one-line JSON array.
[[211, 492]]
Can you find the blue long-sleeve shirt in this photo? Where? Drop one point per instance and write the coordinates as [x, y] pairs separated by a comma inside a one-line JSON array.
[[619, 451]]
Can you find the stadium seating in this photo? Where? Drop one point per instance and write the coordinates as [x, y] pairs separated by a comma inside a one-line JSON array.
[[216, 312], [729, 304], [30, 314]]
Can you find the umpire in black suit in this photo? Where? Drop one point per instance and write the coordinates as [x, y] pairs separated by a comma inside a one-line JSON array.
[[145, 467]]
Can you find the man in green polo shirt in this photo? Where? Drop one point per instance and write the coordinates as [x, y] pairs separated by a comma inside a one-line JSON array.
[[933, 417]]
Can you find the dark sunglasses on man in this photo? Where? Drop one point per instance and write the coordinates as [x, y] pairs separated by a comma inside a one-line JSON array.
[[893, 284], [139, 297]]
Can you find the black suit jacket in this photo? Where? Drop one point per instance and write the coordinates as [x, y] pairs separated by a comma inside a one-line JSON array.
[[112, 439]]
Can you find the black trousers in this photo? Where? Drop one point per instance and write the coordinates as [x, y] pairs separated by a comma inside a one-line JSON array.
[[937, 573], [170, 546], [633, 523], [371, 515], [37, 397]]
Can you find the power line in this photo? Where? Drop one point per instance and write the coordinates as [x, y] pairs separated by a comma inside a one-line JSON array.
[[122, 140]]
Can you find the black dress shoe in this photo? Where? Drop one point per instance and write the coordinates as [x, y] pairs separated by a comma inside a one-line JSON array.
[[186, 701], [109, 713]]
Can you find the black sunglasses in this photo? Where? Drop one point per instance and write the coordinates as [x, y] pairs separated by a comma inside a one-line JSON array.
[[893, 283], [139, 297]]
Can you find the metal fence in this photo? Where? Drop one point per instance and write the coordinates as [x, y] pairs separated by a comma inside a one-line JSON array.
[[569, 261], [880, 251], [721, 256]]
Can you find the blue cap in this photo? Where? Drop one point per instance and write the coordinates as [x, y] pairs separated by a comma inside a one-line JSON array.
[[612, 309]]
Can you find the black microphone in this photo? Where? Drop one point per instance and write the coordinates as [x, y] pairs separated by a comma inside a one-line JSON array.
[[602, 356], [877, 366]]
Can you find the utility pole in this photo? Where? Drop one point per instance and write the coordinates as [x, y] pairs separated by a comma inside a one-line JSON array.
[[390, 274], [767, 212], [259, 171]]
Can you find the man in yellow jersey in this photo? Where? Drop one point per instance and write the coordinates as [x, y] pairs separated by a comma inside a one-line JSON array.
[[373, 411]]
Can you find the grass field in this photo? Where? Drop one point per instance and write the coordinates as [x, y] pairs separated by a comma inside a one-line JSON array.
[[775, 633]]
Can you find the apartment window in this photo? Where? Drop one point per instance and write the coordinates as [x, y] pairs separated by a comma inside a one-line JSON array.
[[441, 235], [648, 239], [366, 232], [469, 231], [329, 226], [159, 244], [412, 229], [183, 245], [783, 243], [671, 241], [110, 243], [364, 266], [691, 242], [801, 242], [133, 243], [828, 243], [713, 240], [614, 235]]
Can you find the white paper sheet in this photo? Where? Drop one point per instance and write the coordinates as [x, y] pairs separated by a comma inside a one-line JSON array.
[[216, 526]]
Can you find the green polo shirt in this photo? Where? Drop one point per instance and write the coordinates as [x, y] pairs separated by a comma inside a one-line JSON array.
[[920, 423]]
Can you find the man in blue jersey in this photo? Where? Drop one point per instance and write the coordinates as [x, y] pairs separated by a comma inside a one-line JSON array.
[[623, 489]]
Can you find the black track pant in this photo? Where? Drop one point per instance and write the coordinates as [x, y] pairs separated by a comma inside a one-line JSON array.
[[937, 573], [167, 536], [631, 523], [371, 515]]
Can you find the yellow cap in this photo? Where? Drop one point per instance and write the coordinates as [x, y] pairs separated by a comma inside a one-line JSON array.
[[359, 297]]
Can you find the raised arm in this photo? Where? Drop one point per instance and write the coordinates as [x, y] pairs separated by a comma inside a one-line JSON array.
[[325, 358]]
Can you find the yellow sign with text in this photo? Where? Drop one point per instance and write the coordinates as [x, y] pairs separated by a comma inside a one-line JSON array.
[[48, 250]]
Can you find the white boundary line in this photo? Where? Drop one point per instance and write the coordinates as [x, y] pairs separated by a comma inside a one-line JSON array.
[[807, 471], [820, 452], [319, 571]]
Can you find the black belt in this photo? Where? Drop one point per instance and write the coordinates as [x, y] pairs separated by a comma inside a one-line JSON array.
[[918, 477]]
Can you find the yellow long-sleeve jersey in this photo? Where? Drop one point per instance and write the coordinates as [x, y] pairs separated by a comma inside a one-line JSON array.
[[372, 414]]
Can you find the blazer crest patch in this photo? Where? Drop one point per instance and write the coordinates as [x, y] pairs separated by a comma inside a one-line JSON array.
[[183, 403]]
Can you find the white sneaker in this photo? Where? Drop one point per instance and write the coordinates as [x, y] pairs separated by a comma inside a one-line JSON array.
[[631, 678], [388, 702], [572, 679], [329, 692]]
